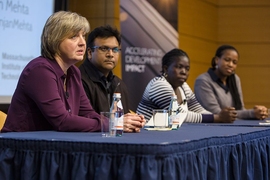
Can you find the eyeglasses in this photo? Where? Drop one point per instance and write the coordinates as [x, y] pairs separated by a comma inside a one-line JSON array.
[[107, 49]]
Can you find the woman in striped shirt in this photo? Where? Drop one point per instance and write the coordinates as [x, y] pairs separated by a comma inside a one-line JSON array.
[[157, 94]]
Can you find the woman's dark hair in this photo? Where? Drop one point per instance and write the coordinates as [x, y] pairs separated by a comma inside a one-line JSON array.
[[230, 79], [168, 58], [220, 51]]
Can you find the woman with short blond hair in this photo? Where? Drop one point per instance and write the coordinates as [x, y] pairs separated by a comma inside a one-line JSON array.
[[49, 94]]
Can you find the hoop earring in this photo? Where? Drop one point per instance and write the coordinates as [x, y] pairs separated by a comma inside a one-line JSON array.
[[165, 74]]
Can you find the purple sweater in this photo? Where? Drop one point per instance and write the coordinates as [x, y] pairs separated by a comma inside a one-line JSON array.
[[40, 103]]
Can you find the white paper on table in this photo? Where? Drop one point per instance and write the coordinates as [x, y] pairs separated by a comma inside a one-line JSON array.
[[161, 118], [150, 122], [182, 117], [264, 123]]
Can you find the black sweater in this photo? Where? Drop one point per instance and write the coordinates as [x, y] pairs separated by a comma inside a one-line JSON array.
[[97, 91]]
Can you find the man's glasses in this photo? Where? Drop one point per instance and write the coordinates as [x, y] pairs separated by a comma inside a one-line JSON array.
[[107, 49]]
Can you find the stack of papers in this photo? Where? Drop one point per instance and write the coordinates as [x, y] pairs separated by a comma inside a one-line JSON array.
[[158, 129], [265, 123]]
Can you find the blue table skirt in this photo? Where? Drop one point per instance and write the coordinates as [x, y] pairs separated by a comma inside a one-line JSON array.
[[192, 152]]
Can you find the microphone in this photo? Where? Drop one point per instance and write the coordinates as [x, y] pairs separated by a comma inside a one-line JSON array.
[[67, 95]]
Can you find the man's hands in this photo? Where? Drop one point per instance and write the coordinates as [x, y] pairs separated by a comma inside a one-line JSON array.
[[133, 122]]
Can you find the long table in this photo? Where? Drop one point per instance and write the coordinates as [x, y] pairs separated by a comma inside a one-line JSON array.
[[196, 151]]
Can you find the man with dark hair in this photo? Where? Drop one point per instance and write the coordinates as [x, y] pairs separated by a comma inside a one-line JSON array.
[[103, 49]]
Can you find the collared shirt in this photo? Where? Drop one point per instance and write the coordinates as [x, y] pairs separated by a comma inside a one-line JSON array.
[[216, 79], [106, 81], [40, 102]]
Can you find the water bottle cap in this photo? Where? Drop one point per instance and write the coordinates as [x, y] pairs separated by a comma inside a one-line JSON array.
[[117, 95]]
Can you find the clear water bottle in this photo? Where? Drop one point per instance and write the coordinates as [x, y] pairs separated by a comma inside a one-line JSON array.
[[117, 108], [173, 120]]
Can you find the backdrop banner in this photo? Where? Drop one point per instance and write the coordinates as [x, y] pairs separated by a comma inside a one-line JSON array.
[[149, 29]]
